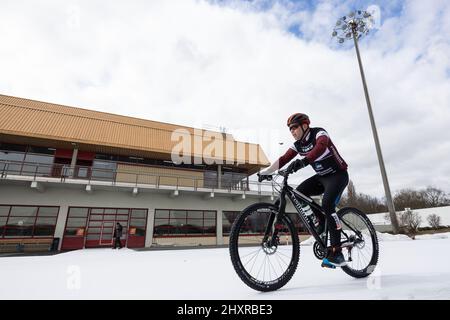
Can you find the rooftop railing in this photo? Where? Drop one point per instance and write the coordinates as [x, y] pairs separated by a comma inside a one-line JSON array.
[[88, 174]]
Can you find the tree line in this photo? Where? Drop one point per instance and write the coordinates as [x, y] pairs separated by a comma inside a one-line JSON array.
[[404, 198]]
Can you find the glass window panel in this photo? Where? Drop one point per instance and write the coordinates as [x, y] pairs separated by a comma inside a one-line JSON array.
[[30, 169], [21, 221], [137, 222], [4, 210], [104, 170], [162, 227], [12, 147], [209, 227], [93, 236], [19, 231], [96, 217], [77, 222], [41, 150], [11, 156], [70, 232], [177, 217], [210, 215], [110, 211], [48, 211], [109, 217], [94, 230], [140, 232], [136, 213], [159, 222], [12, 168], [78, 212], [45, 221], [23, 211], [122, 211], [191, 229], [193, 226], [209, 223], [34, 158], [161, 213], [227, 220], [95, 223], [195, 214], [97, 211], [44, 230], [3, 221]]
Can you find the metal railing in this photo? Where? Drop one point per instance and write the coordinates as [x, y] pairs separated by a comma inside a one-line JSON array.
[[114, 176]]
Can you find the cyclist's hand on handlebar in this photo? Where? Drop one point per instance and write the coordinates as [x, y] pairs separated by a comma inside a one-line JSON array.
[[297, 165], [262, 177]]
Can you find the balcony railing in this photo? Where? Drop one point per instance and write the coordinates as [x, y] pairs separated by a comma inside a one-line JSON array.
[[89, 174]]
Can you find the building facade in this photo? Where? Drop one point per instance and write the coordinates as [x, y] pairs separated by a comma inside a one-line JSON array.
[[70, 174]]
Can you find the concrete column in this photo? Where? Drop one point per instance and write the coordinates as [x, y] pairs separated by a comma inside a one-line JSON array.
[[74, 161], [219, 176], [61, 223], [219, 233], [150, 226]]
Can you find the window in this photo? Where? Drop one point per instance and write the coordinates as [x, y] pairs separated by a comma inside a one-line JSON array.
[[227, 220], [138, 222], [104, 170], [76, 222], [12, 147], [297, 222], [184, 223], [41, 150], [27, 221], [11, 162]]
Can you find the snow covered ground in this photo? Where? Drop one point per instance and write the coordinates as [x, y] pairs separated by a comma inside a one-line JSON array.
[[407, 269]]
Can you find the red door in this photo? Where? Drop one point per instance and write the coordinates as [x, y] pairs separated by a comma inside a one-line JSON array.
[[102, 222]]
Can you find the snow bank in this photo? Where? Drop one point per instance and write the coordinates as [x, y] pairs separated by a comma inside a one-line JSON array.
[[391, 237], [445, 235], [382, 237]]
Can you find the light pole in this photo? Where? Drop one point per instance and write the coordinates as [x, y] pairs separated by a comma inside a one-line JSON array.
[[355, 25]]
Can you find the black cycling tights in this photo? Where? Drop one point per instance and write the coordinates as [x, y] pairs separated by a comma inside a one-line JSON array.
[[331, 186]]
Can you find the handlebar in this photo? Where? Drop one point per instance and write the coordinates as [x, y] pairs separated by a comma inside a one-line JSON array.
[[284, 173]]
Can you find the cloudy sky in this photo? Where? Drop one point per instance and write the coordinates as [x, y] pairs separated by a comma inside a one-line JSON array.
[[246, 66]]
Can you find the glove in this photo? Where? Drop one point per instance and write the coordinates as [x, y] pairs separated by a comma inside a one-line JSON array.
[[262, 177], [297, 165]]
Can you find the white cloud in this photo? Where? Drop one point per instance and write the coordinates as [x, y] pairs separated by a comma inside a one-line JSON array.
[[193, 63]]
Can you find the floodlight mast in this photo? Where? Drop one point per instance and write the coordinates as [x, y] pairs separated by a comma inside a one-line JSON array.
[[354, 26]]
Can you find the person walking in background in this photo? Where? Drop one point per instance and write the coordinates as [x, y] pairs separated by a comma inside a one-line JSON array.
[[117, 235]]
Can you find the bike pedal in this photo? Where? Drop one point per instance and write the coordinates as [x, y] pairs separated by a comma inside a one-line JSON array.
[[326, 265]]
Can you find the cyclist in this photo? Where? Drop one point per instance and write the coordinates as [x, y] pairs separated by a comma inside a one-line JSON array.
[[331, 177]]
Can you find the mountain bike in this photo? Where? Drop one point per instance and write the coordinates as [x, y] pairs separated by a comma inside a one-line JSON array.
[[264, 243]]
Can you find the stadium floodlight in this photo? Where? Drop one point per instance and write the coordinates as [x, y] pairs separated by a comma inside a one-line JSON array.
[[353, 26]]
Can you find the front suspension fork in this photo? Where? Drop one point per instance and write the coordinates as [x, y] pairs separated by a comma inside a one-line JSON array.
[[271, 226]]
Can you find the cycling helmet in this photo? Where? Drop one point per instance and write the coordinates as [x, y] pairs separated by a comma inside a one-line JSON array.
[[298, 118]]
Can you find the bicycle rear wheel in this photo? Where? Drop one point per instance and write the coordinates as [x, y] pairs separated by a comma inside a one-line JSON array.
[[262, 265], [359, 240]]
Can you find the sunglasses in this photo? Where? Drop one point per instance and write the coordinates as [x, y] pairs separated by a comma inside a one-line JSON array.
[[294, 127]]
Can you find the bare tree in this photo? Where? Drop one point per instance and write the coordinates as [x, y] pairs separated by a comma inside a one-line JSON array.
[[435, 197], [409, 198], [351, 194], [434, 220], [411, 221]]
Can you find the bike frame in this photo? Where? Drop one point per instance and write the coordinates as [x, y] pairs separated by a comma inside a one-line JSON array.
[[298, 200]]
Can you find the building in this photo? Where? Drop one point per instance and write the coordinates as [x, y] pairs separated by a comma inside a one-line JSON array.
[[71, 174]]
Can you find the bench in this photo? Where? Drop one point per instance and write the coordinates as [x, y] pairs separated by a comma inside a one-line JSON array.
[[26, 245]]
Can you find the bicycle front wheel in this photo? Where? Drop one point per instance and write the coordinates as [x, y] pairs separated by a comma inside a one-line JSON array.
[[261, 264], [362, 247]]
